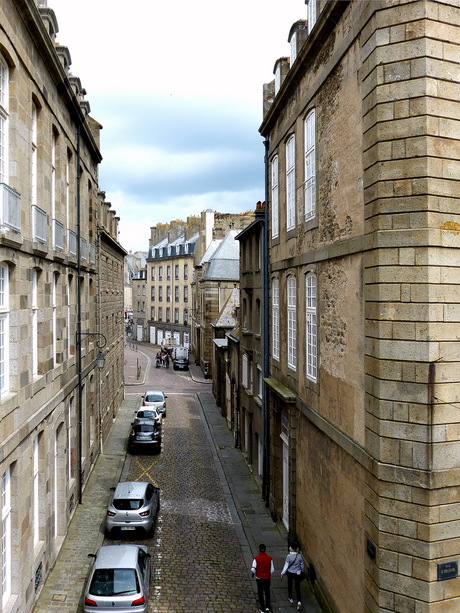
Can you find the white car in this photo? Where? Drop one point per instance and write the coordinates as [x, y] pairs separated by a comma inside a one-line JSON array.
[[118, 580], [155, 398]]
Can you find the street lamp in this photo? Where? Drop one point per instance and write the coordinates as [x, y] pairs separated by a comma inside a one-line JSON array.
[[100, 344]]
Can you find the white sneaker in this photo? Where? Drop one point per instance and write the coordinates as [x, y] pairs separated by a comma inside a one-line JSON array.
[[291, 600], [299, 606]]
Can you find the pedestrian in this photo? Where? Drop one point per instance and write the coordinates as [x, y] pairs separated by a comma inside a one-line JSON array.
[[262, 568], [294, 568]]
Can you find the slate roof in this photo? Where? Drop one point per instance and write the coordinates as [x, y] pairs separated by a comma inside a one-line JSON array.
[[180, 246], [225, 261]]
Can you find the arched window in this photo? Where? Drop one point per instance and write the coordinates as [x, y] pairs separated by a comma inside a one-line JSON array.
[[311, 327], [291, 323], [275, 198], [4, 328], [275, 319], [290, 183]]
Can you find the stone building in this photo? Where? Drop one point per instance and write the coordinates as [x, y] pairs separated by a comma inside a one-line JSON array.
[[139, 289], [61, 299], [362, 131]]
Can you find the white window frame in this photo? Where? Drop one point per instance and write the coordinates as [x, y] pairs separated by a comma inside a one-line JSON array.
[[293, 57], [310, 165], [290, 183], [4, 117], [276, 319], [34, 155], [34, 323], [311, 327], [54, 318], [6, 537], [4, 329], [291, 322], [311, 14], [36, 489], [260, 381], [275, 196]]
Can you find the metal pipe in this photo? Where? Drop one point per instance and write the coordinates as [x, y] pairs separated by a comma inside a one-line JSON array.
[[265, 339], [79, 336]]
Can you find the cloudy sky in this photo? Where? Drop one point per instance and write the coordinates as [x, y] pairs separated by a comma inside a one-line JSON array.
[[177, 86]]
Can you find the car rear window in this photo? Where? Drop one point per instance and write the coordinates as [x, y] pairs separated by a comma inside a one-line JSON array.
[[154, 398], [127, 504], [114, 581], [143, 428], [148, 414]]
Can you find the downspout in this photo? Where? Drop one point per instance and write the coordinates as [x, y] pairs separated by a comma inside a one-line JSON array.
[[99, 308], [265, 339], [78, 339]]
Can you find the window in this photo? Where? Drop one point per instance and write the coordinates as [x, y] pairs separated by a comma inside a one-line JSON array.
[[185, 317], [160, 273], [176, 316], [310, 166], [33, 154], [160, 294], [311, 329], [168, 273], [275, 198], [168, 314], [152, 313], [160, 313], [153, 273], [176, 293], [244, 374], [34, 322], [168, 293], [4, 328], [176, 271], [6, 537], [291, 323], [4, 113], [36, 484], [185, 271], [311, 14], [152, 292], [54, 318], [185, 293], [275, 318], [290, 183], [260, 381]]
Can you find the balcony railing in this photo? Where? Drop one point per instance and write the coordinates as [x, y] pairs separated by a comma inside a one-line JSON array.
[[72, 243], [39, 224], [58, 235], [10, 212]]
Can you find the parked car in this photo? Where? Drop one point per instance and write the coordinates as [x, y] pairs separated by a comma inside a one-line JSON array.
[[145, 435], [118, 580], [155, 398], [134, 506], [150, 413], [180, 358]]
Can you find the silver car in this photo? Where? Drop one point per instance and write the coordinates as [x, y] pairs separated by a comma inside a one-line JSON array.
[[149, 412], [118, 580], [157, 399], [134, 506]]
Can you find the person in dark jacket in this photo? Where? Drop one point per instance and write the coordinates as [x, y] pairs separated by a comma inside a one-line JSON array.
[[262, 569], [293, 567]]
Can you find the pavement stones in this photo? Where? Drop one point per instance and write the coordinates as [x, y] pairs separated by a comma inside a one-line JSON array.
[[251, 520]]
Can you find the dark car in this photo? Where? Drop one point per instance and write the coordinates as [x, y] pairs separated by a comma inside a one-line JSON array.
[[145, 435]]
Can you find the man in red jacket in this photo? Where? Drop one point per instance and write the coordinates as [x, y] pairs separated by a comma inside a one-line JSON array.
[[263, 568]]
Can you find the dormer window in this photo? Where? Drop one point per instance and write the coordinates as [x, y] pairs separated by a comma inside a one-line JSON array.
[[280, 71], [311, 14], [293, 48], [297, 37]]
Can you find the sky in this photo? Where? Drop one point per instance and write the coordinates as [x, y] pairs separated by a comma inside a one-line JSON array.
[[177, 87]]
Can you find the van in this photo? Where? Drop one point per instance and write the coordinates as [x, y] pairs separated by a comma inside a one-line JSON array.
[[180, 358]]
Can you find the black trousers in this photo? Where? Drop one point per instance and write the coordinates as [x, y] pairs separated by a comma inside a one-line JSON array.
[[263, 592], [294, 578]]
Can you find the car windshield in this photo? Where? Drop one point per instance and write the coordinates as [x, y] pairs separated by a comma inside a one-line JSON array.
[[126, 504], [154, 398], [114, 581]]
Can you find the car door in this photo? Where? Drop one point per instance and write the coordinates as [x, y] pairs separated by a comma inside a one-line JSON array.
[[143, 562]]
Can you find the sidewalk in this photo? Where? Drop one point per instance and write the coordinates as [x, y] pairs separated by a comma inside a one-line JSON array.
[[63, 589]]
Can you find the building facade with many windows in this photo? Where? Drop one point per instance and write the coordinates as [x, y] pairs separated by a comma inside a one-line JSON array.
[[362, 132], [61, 299]]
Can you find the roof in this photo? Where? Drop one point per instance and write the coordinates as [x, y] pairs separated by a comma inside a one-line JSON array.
[[179, 246], [220, 342], [118, 556], [210, 250], [131, 489], [225, 261]]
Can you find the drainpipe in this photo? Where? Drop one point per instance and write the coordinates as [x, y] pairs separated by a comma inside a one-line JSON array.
[[265, 340]]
